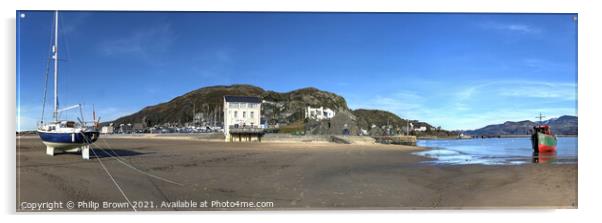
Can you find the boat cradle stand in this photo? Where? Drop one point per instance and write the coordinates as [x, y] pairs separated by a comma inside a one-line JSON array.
[[85, 150]]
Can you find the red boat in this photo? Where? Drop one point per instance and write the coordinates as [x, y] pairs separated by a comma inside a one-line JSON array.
[[543, 140]]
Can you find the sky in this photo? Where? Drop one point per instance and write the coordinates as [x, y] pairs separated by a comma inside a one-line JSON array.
[[457, 71]]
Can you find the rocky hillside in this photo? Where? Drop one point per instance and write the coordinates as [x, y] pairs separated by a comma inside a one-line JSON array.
[[287, 109], [564, 125], [367, 118], [284, 107], [180, 109], [290, 106]]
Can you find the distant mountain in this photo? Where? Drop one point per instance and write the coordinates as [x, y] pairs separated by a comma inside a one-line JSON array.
[[564, 125]]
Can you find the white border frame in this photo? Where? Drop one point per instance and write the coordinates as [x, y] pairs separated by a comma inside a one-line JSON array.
[[588, 88]]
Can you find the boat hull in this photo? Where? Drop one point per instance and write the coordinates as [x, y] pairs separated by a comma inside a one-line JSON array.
[[66, 141], [544, 143]]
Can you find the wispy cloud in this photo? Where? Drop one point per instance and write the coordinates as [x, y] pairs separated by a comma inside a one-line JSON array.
[[559, 91], [498, 101], [475, 105], [542, 65], [27, 116], [525, 89], [406, 104], [511, 27], [144, 43], [479, 119], [112, 113], [26, 123]]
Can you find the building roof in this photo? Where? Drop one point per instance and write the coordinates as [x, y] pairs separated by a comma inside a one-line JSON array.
[[247, 99]]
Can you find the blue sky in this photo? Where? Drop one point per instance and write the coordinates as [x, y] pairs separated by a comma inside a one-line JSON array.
[[457, 71]]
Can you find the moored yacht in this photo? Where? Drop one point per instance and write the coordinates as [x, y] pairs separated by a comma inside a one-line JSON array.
[[65, 135]]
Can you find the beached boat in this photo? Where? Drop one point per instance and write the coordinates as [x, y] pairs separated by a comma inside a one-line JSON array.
[[65, 135], [542, 138]]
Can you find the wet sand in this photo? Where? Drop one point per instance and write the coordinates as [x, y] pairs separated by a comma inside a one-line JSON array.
[[292, 176]]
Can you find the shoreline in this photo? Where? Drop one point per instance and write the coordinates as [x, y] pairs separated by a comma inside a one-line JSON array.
[[501, 136], [199, 136], [294, 176], [219, 137]]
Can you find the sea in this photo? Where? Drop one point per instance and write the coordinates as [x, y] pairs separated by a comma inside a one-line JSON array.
[[495, 151]]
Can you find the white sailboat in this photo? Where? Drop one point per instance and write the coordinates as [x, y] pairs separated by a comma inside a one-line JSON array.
[[65, 135]]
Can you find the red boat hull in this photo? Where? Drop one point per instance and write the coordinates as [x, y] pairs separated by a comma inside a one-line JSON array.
[[544, 143], [546, 149]]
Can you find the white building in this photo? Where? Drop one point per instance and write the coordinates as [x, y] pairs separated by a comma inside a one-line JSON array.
[[241, 112], [319, 113], [106, 130], [420, 129]]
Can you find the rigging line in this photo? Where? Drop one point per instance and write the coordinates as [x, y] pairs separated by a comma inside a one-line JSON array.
[[63, 69], [142, 172], [108, 173], [45, 90], [113, 179], [133, 167], [47, 72], [66, 53], [65, 40]]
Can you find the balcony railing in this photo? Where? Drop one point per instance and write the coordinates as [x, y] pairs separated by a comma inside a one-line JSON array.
[[233, 129]]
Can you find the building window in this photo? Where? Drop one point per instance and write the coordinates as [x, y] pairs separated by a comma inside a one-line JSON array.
[[235, 114], [244, 114], [252, 114]]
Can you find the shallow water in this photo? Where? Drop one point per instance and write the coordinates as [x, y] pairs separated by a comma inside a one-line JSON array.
[[495, 151]]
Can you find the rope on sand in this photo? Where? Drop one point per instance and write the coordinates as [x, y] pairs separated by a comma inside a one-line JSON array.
[[116, 157], [114, 181], [108, 173]]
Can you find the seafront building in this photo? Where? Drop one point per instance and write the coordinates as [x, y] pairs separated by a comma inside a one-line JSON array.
[[106, 130], [242, 115], [420, 128]]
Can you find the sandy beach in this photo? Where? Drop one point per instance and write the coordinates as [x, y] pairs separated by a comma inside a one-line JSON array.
[[289, 175]]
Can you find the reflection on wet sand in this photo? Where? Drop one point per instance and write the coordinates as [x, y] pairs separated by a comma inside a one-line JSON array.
[[496, 151], [544, 157]]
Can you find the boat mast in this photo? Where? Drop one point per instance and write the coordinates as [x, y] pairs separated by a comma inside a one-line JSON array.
[[55, 50], [540, 117]]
